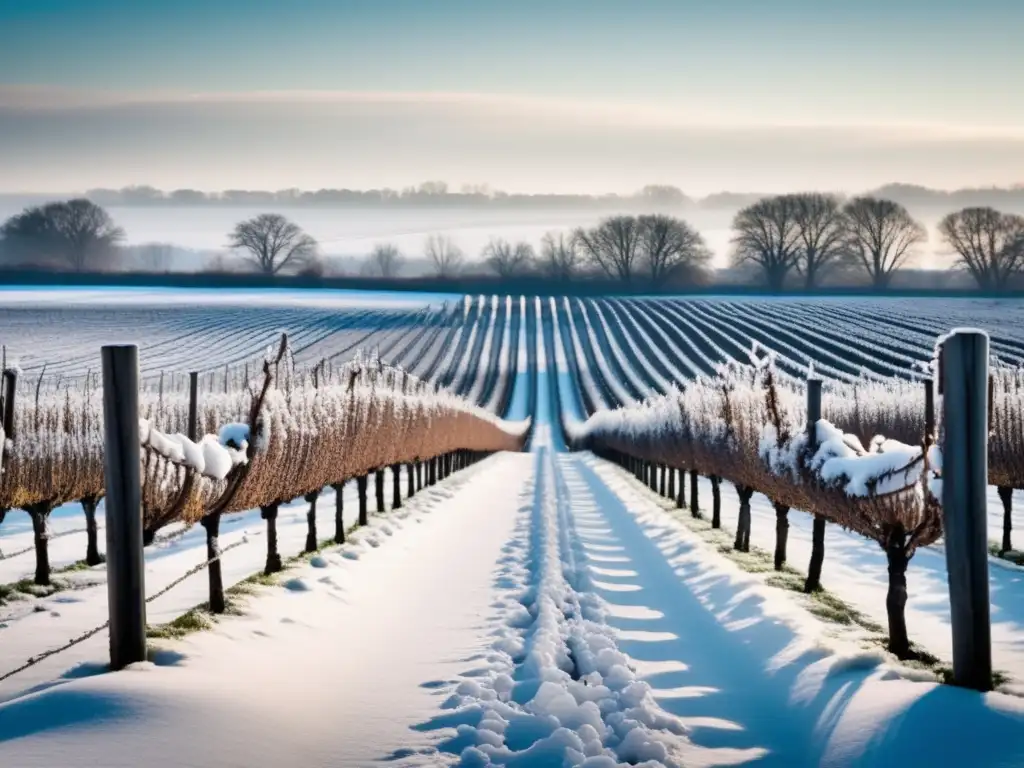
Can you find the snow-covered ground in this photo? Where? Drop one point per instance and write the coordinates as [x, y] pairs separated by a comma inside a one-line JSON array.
[[534, 610], [333, 667], [855, 569], [537, 609]]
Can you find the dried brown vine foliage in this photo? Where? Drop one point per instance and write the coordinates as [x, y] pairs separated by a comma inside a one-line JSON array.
[[718, 427], [310, 429]]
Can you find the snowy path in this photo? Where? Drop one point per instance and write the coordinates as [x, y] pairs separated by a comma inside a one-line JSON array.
[[727, 656], [332, 670]]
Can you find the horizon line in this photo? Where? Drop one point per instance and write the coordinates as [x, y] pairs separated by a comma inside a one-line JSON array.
[[212, 195]]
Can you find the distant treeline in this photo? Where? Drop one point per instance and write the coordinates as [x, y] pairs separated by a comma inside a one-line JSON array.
[[533, 285], [439, 194], [808, 238]]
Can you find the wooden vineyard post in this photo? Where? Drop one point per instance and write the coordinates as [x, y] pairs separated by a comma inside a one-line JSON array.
[[126, 590], [813, 581], [929, 410], [10, 379], [193, 406], [10, 388], [964, 389]]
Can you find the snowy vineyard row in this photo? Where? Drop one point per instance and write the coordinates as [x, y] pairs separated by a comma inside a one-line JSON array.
[[629, 348], [869, 463], [281, 432]]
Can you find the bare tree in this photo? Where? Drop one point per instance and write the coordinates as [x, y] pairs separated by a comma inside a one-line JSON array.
[[560, 256], [822, 233], [153, 257], [508, 260], [385, 260], [669, 245], [613, 246], [444, 255], [273, 243], [767, 235], [882, 236], [77, 234], [988, 244]]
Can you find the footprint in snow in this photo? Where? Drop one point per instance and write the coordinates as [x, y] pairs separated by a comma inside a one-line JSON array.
[[297, 585], [350, 554], [330, 582], [318, 562], [373, 542]]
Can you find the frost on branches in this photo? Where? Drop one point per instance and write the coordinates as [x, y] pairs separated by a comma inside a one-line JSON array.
[[269, 432]]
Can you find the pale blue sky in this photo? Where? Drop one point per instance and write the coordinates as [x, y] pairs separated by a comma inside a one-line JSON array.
[[562, 94]]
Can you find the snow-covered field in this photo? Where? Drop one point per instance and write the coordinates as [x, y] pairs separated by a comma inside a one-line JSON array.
[[535, 609]]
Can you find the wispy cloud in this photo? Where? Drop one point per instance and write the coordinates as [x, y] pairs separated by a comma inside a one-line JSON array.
[[49, 98], [60, 139]]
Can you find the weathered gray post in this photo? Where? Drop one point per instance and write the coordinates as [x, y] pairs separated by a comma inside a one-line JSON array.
[[813, 580], [193, 406], [964, 390], [7, 415], [126, 590], [929, 408], [10, 388]]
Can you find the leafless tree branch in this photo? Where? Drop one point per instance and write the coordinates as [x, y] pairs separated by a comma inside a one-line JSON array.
[[882, 236], [273, 243]]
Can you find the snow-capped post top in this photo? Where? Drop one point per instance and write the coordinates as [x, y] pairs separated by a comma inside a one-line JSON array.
[[813, 411], [937, 363]]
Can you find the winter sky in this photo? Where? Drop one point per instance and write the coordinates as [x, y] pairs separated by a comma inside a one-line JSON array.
[[532, 95]]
